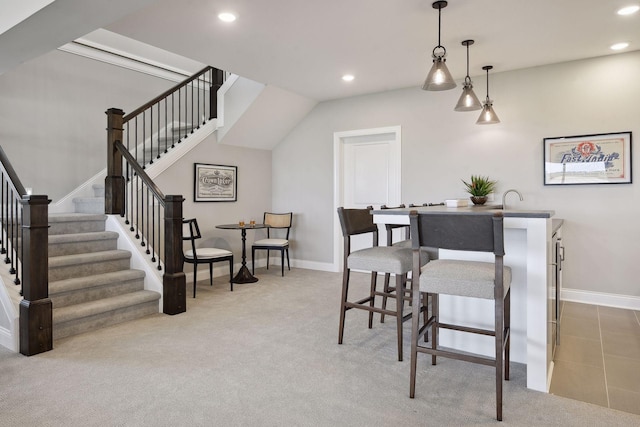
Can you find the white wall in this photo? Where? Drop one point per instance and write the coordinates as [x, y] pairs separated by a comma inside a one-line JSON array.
[[52, 121], [440, 147]]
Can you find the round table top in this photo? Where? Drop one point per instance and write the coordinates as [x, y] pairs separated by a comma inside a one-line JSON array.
[[237, 226]]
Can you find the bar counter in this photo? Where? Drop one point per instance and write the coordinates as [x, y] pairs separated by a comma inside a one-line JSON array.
[[528, 237]]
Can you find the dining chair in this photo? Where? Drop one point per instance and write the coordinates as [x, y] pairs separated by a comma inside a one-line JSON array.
[[274, 221], [479, 232], [374, 259], [195, 256]]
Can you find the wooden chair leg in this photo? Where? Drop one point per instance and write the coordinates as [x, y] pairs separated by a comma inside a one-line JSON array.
[[231, 273], [499, 335], [195, 278], [507, 327], [253, 261], [374, 276], [434, 326], [415, 327], [282, 262], [268, 253], [211, 274], [288, 265], [387, 277], [400, 281], [345, 293]]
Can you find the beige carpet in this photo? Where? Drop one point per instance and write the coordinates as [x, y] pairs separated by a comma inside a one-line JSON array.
[[264, 355]]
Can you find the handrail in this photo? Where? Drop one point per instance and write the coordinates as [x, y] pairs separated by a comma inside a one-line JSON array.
[[13, 176], [164, 94], [138, 170]]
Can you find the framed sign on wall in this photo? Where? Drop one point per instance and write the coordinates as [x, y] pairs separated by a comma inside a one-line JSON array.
[[588, 159], [215, 183]]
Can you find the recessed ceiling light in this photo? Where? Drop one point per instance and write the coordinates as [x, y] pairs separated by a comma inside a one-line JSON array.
[[629, 10], [348, 77], [227, 17], [619, 46]]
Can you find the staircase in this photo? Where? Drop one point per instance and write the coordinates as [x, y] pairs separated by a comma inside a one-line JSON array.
[[91, 284]]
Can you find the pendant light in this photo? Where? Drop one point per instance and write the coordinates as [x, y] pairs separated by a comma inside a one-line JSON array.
[[488, 116], [468, 100], [439, 77]]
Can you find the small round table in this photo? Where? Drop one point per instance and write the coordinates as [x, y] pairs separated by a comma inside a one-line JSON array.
[[244, 275]]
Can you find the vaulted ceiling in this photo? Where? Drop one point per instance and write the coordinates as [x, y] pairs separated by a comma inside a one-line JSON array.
[[305, 46]]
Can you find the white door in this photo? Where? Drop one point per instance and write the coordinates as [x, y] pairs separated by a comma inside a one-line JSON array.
[[368, 174]]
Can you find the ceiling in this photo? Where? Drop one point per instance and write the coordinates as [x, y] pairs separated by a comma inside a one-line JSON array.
[[305, 46]]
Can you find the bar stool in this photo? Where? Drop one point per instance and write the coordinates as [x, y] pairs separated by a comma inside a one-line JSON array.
[[478, 231], [383, 259]]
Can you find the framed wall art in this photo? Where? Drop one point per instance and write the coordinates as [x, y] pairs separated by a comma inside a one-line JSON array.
[[215, 183], [588, 159]]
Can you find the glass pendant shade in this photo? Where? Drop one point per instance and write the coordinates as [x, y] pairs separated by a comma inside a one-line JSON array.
[[488, 116], [468, 100], [439, 77]]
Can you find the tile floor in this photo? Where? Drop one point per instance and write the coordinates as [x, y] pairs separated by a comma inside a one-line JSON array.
[[598, 359]]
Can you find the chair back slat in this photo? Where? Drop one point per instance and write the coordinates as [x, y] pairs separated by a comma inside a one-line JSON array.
[[481, 232]]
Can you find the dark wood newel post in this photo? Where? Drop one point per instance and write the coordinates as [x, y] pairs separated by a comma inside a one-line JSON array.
[[114, 182], [174, 282], [36, 333], [217, 80]]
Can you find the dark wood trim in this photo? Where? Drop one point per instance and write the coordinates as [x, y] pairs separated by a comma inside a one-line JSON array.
[[174, 282], [114, 181], [36, 315], [13, 176]]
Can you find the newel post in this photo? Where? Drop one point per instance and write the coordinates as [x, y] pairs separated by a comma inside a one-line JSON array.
[[174, 282], [217, 79], [36, 319], [114, 182]]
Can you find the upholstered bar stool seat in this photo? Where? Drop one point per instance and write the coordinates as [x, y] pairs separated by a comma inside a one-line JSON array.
[[463, 278], [386, 259]]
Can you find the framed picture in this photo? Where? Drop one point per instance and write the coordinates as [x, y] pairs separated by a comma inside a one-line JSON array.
[[588, 159], [215, 183]]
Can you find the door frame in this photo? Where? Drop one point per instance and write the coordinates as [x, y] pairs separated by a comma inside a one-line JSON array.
[[339, 141]]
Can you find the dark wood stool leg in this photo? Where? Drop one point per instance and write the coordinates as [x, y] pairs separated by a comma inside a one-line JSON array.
[[434, 326], [345, 292], [387, 277], [400, 281], [372, 300]]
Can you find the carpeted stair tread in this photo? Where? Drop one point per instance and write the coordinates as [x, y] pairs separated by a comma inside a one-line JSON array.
[[82, 237], [105, 305], [79, 283], [71, 223], [88, 258]]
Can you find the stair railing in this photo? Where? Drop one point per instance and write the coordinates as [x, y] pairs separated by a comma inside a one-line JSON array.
[[25, 243], [133, 141], [157, 126]]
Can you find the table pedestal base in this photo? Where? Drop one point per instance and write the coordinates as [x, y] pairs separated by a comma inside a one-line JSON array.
[[244, 276]]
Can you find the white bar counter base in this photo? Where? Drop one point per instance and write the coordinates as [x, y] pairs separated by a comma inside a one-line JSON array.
[[527, 238]]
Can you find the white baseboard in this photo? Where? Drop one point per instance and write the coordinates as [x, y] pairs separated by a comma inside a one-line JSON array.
[[601, 298]]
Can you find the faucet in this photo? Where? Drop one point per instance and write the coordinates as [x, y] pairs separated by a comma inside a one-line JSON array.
[[504, 197]]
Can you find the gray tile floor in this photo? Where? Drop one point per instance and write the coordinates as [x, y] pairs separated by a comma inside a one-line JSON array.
[[598, 359]]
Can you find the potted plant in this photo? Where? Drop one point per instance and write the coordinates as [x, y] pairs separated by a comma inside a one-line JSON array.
[[479, 188]]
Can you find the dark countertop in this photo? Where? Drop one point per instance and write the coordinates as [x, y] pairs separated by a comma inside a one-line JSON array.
[[508, 213]]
